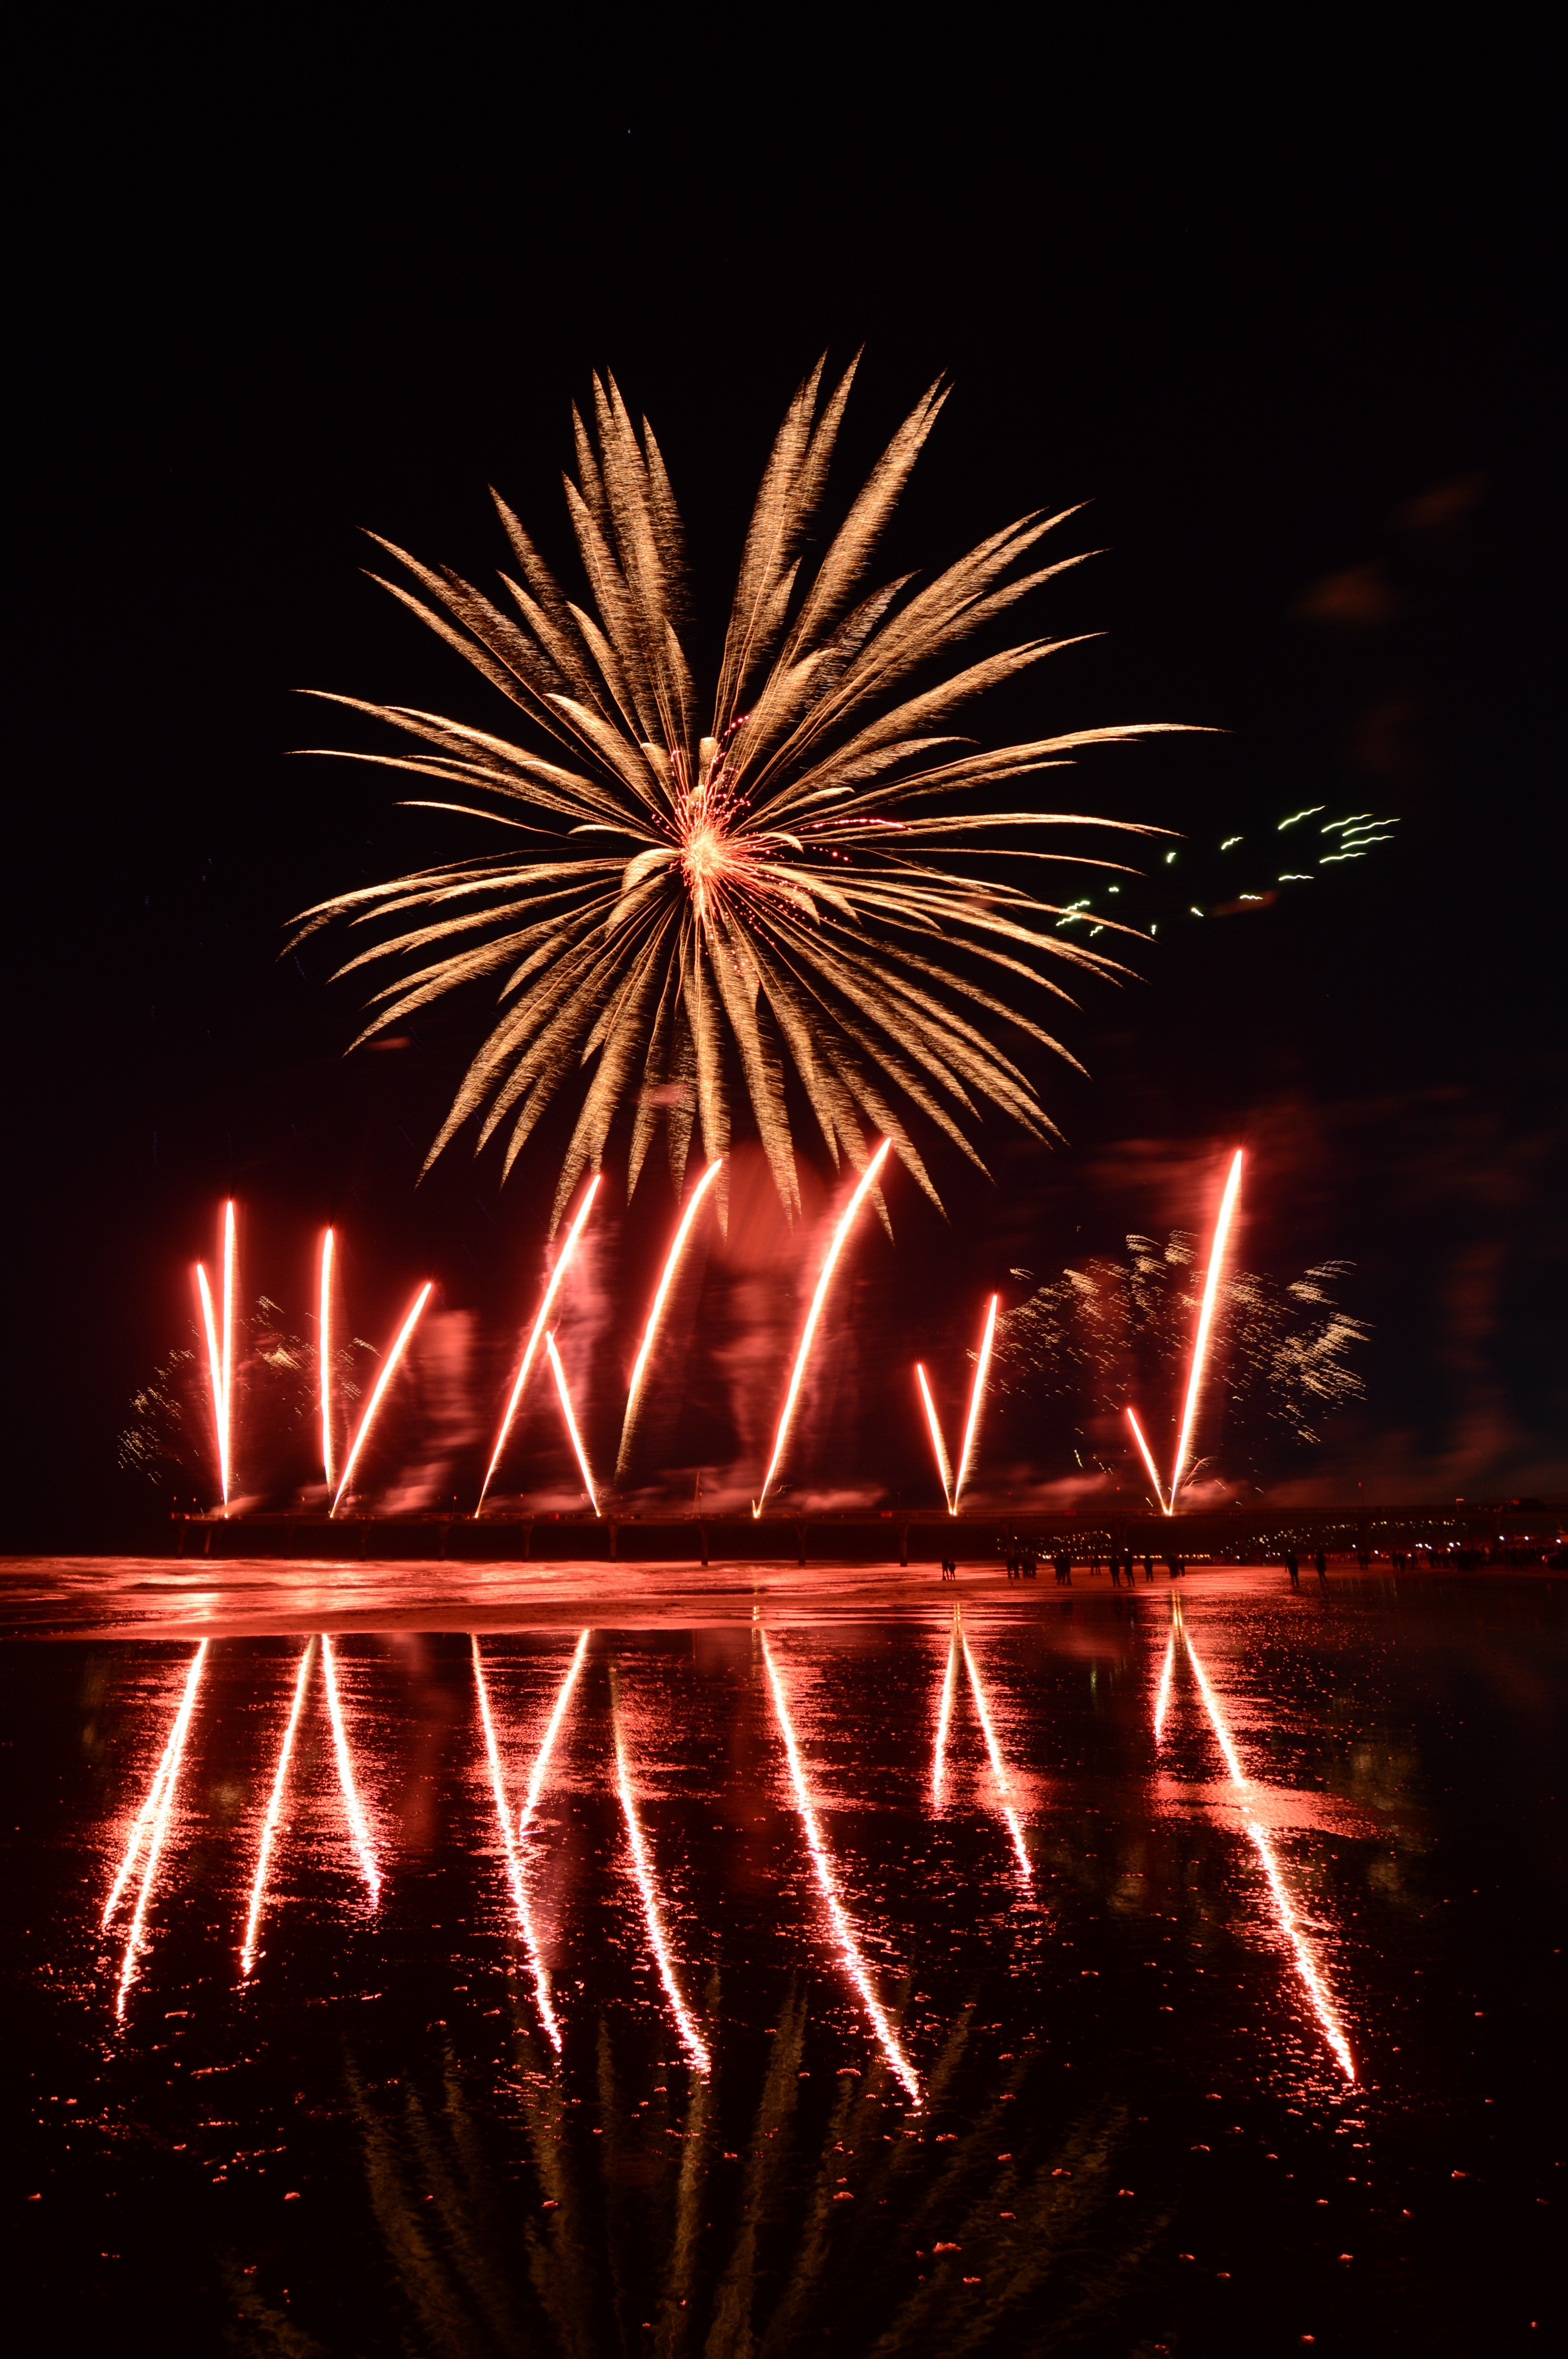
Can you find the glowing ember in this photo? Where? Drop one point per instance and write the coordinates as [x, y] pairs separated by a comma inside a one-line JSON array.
[[848, 1947], [514, 1871], [559, 1375], [937, 1444], [945, 1714], [999, 1766], [388, 1371], [274, 1811], [163, 1811], [975, 1396], [563, 1264], [1205, 1320], [351, 1803], [548, 1744], [324, 1356], [1148, 1461], [672, 1260], [691, 2038], [868, 1180], [1323, 2005]]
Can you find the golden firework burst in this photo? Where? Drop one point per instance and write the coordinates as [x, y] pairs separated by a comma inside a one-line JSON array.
[[793, 885]]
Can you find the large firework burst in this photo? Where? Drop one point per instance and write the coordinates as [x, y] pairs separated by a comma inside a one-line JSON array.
[[773, 880]]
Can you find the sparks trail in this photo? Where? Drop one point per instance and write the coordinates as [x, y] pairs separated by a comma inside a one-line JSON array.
[[768, 881], [868, 1180], [981, 1367], [945, 1714], [634, 1390], [848, 1947], [516, 1874], [324, 1356], [167, 1780], [1148, 1460], [563, 1263], [999, 1766], [1306, 1965], [382, 1382], [220, 1352], [1205, 1321], [642, 1868], [938, 1446], [275, 1809], [559, 1375], [352, 1805]]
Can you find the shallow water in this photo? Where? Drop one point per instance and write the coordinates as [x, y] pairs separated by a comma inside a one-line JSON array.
[[859, 1980]]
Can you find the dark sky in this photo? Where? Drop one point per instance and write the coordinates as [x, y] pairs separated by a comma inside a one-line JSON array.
[[1275, 302]]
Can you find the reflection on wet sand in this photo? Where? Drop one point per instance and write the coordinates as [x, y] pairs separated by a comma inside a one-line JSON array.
[[691, 2038], [151, 1824], [844, 1934], [274, 1809]]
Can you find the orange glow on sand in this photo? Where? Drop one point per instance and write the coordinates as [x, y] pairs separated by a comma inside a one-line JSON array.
[[945, 1714], [692, 2040], [557, 1275], [324, 1356], [937, 1444], [1147, 1456], [1306, 1965], [868, 1180], [1205, 1321], [975, 1396], [388, 1371], [672, 1262], [514, 1867], [275, 1809], [849, 1948], [559, 1375], [162, 1810], [999, 1766], [358, 1827]]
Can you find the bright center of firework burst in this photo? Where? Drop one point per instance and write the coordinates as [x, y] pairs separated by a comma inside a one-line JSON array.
[[710, 858]]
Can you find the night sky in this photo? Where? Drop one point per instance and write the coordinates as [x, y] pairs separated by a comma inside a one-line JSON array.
[[1278, 312]]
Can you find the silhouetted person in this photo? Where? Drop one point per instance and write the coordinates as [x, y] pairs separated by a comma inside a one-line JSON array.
[[1292, 1568], [1322, 1563], [1148, 1568]]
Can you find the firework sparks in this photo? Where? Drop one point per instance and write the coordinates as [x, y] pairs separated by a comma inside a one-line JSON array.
[[354, 1809], [938, 1446], [1147, 1456], [514, 1868], [850, 1952], [867, 1181], [1005, 1801], [275, 1809], [672, 1261], [976, 1395], [324, 1354], [800, 876], [945, 1714], [388, 1371], [220, 1335], [691, 2038], [1205, 1321], [563, 1262], [1306, 1965], [163, 1811], [559, 1375]]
